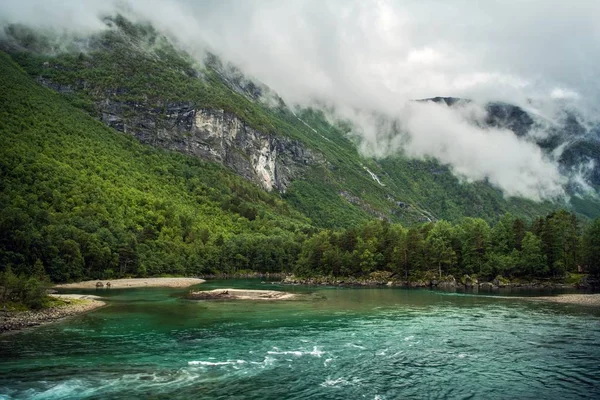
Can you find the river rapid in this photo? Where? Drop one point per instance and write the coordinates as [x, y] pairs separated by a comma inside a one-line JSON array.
[[340, 343]]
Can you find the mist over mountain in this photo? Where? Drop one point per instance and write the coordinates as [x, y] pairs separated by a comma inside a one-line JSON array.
[[529, 127]]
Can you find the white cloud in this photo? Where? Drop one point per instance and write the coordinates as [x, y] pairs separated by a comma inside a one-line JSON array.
[[425, 56], [513, 164], [561, 93], [454, 137]]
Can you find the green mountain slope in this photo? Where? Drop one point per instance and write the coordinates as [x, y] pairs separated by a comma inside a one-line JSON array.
[[87, 201], [138, 72], [81, 200]]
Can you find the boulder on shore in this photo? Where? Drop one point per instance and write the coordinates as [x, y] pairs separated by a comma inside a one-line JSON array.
[[468, 281], [449, 282], [501, 282], [487, 286]]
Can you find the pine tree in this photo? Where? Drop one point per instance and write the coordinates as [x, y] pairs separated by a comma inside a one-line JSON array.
[[475, 244], [532, 257], [439, 245], [591, 247]]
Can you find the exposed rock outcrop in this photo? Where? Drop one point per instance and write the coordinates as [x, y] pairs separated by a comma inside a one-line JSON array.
[[272, 161]]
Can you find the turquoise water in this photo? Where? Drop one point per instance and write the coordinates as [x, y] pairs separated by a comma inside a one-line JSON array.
[[340, 344]]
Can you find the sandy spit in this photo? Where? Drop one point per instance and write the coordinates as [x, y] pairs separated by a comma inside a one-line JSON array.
[[16, 321], [241, 294], [76, 296], [133, 283], [580, 299]]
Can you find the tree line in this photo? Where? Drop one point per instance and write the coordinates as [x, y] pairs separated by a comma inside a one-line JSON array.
[[547, 247]]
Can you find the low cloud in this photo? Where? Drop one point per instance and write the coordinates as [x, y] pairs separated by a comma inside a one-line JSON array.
[[455, 137]]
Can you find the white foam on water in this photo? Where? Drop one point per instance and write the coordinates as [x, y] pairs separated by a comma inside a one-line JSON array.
[[335, 382], [207, 363], [216, 363], [316, 352], [296, 353], [356, 346], [327, 361], [160, 381], [340, 382], [406, 339], [381, 352], [268, 361], [70, 388]]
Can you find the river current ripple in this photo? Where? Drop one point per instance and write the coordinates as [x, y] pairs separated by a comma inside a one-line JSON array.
[[348, 344]]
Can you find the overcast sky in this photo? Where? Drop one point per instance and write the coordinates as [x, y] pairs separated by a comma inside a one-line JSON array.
[[376, 55]]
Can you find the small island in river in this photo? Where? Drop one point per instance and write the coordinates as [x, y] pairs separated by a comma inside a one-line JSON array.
[[241, 294]]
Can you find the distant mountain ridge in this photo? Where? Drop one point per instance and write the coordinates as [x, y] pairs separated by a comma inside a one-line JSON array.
[[577, 144]]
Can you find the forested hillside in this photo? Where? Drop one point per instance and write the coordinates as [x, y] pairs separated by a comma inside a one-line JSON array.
[[88, 202], [135, 80]]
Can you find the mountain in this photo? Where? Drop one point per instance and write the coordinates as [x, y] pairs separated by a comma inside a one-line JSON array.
[[136, 81], [123, 155]]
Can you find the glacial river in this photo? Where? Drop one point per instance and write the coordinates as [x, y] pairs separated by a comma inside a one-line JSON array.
[[341, 344]]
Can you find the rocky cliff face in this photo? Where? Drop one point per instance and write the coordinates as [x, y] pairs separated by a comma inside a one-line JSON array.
[[271, 161]]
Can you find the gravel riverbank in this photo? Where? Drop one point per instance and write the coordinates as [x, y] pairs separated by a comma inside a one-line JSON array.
[[11, 321]]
